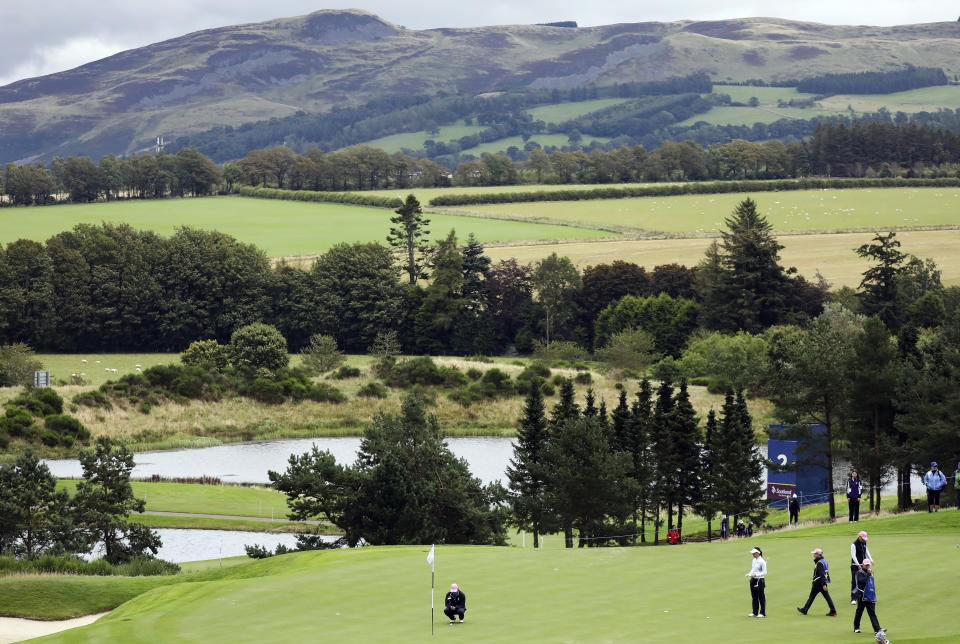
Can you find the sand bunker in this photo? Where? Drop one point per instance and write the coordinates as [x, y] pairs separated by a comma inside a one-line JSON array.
[[16, 629]]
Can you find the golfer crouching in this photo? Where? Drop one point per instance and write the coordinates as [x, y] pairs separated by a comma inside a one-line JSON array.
[[455, 604], [757, 575]]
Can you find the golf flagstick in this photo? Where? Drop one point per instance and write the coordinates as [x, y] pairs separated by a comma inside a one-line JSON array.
[[433, 570]]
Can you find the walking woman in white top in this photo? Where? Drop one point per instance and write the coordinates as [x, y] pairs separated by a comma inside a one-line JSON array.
[[757, 575]]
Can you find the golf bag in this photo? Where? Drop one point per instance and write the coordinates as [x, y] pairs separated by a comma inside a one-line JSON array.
[[881, 637]]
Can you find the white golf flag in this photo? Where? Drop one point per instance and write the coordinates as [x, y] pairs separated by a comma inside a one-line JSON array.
[[430, 556]]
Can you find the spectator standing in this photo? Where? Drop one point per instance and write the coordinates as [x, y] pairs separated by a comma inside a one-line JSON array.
[[750, 528], [741, 529], [935, 482], [867, 599], [725, 524], [956, 484], [794, 509], [858, 552], [758, 576], [854, 492], [821, 577]]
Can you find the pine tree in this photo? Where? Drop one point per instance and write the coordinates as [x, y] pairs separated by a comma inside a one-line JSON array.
[[409, 235], [706, 502], [590, 409], [638, 431], [686, 451], [621, 416], [663, 465], [526, 472], [738, 466], [566, 408], [443, 304]]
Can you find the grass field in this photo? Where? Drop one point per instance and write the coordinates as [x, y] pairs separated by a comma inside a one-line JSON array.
[[565, 111], [414, 140], [800, 210], [280, 228], [927, 99], [557, 140], [426, 194], [661, 594], [93, 367], [830, 254]]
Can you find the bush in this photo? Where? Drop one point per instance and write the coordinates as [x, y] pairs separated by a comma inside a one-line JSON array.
[[558, 350], [383, 366], [258, 346], [581, 366], [417, 371], [17, 364], [66, 426], [322, 392], [547, 389], [559, 379], [321, 354], [523, 341], [583, 378], [372, 390], [17, 422], [41, 401], [499, 381], [93, 398], [345, 372], [474, 374], [629, 349], [209, 355]]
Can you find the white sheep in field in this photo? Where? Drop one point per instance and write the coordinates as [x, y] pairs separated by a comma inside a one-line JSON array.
[[84, 360]]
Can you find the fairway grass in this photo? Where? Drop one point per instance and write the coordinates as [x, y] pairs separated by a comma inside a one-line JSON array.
[[800, 210], [279, 228], [663, 594], [831, 254]]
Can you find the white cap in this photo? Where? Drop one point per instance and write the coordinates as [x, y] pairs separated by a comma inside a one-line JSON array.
[[755, 552]]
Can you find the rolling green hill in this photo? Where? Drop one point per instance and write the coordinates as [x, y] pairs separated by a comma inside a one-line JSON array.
[[235, 75], [690, 593]]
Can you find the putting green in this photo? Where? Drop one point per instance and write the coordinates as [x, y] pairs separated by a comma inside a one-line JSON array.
[[690, 593]]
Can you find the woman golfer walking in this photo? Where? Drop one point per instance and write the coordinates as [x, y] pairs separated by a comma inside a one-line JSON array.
[[867, 599], [757, 575]]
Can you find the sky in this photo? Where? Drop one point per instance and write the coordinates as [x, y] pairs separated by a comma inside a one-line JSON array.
[[40, 37]]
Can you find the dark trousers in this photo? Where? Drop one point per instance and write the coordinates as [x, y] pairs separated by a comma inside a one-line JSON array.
[[794, 516], [933, 498], [854, 595], [815, 590], [871, 611], [452, 613], [854, 509], [758, 596], [958, 498]]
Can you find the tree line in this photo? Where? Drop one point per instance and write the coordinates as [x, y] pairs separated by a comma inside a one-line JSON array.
[[900, 80]]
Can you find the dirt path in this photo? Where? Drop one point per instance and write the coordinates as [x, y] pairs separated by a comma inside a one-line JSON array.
[[17, 629]]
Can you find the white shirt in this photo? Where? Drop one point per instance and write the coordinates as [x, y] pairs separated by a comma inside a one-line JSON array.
[[853, 554], [759, 568]]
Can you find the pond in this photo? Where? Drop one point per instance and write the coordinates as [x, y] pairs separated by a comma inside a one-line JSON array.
[[249, 462]]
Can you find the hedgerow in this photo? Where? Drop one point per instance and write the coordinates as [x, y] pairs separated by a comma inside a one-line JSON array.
[[351, 198]]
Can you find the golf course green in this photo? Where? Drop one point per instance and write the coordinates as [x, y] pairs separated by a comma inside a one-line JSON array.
[[688, 593]]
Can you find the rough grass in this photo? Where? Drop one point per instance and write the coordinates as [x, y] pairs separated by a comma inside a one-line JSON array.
[[279, 228], [202, 424], [551, 595], [830, 254]]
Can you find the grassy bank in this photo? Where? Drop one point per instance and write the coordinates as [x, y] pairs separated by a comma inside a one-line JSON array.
[[661, 594]]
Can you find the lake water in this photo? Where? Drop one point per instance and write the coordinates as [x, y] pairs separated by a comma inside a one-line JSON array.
[[249, 462]]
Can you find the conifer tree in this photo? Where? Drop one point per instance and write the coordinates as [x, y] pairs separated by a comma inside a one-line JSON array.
[[738, 466], [527, 470], [662, 465], [706, 502], [409, 235], [566, 408], [638, 432], [685, 439]]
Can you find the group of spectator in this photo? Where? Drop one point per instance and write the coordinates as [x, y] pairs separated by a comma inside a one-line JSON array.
[[934, 481]]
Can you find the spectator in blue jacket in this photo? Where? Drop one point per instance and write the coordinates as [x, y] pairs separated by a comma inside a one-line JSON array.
[[935, 482], [854, 492]]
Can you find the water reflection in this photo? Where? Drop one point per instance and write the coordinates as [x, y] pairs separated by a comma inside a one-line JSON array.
[[199, 545], [249, 462]]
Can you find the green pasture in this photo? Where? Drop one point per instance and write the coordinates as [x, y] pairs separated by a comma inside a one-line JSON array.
[[743, 115], [830, 254], [94, 367], [800, 210], [765, 95], [663, 594], [280, 228], [426, 194], [557, 140], [230, 500], [560, 112], [415, 140]]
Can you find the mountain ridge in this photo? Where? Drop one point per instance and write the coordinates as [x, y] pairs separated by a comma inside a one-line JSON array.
[[237, 74]]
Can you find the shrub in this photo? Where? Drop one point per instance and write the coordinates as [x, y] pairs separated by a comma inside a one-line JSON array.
[[417, 371], [206, 354], [558, 350], [93, 398], [547, 389], [266, 391], [372, 390], [383, 366], [583, 378], [559, 379], [345, 372], [66, 426], [629, 349], [321, 354], [474, 374], [479, 358], [386, 343], [523, 341], [322, 392], [499, 381], [41, 401], [581, 366], [17, 364], [258, 346], [17, 421]]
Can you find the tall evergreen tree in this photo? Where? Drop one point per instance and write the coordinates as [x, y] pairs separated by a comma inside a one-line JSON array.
[[878, 288], [638, 439], [662, 465], [706, 502], [737, 464], [685, 439], [566, 407], [527, 469], [409, 235]]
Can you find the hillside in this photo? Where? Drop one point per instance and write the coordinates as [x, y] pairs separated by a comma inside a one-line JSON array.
[[235, 75]]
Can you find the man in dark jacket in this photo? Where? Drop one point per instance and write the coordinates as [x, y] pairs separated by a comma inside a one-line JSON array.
[[794, 509], [821, 577], [455, 604], [858, 552]]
